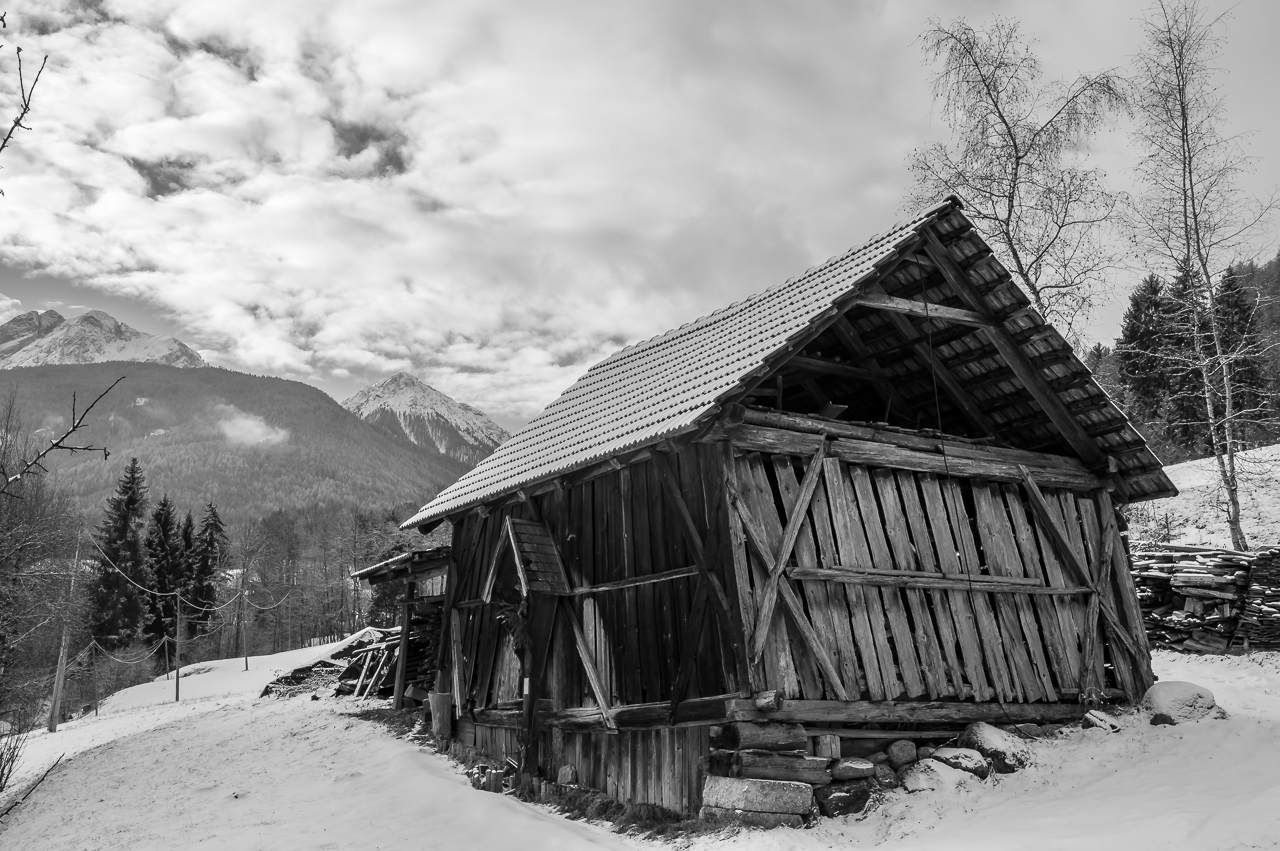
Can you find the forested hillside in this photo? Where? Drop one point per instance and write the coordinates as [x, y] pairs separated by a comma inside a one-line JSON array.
[[250, 444]]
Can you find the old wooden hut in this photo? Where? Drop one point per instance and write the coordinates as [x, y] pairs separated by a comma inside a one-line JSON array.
[[421, 575], [881, 495]]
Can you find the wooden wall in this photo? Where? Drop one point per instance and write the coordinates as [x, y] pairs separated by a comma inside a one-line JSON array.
[[890, 641]]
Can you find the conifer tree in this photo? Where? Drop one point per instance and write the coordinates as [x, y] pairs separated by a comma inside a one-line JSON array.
[[210, 547], [120, 608], [166, 562]]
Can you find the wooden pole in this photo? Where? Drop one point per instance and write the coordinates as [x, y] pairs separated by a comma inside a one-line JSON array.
[[402, 667], [177, 645], [93, 661]]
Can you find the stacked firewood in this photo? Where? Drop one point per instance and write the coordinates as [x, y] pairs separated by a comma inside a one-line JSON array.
[[1260, 624], [1192, 598]]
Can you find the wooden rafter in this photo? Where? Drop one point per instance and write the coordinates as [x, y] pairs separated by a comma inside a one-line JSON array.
[[849, 337], [923, 310], [830, 367], [1015, 357]]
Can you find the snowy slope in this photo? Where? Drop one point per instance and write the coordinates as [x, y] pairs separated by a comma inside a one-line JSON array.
[[1197, 516], [44, 339], [237, 772], [407, 407]]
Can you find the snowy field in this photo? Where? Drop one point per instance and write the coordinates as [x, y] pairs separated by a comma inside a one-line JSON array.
[[1195, 516], [224, 769]]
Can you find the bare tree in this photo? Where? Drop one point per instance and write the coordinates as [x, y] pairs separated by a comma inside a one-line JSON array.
[[13, 469], [1017, 160], [25, 93], [1191, 213]]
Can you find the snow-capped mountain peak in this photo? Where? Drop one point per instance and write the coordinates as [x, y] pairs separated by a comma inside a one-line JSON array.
[[410, 408], [44, 339]]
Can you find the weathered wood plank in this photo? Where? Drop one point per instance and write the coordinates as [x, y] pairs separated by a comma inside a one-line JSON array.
[[740, 561], [762, 515], [903, 640], [970, 646], [870, 453], [865, 606], [939, 602], [904, 556], [842, 619], [789, 535], [828, 628], [917, 580], [996, 546], [993, 650], [649, 620], [1046, 607]]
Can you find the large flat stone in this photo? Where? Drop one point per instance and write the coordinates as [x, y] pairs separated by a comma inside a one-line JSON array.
[[761, 796]]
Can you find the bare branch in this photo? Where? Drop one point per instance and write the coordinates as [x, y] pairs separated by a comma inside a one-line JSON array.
[[34, 464]]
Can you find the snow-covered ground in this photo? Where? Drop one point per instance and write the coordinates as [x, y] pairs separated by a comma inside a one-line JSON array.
[[1196, 516], [224, 769]]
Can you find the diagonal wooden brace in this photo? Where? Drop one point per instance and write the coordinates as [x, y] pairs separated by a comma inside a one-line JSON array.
[[789, 600], [810, 484]]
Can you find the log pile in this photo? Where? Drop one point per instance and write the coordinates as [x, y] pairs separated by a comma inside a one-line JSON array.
[[1260, 623], [1192, 598], [373, 667]]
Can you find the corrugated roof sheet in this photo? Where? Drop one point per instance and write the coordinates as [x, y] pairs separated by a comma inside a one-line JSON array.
[[663, 386]]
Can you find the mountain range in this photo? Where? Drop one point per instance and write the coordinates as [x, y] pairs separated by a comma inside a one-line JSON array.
[[43, 339], [249, 443]]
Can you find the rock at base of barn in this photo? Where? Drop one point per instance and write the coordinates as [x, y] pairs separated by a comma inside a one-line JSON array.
[[1005, 750], [886, 776], [931, 776], [901, 754], [852, 768], [844, 798], [567, 775], [1174, 702], [759, 803], [965, 759]]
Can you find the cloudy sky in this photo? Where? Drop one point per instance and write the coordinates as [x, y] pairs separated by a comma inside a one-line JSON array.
[[492, 195]]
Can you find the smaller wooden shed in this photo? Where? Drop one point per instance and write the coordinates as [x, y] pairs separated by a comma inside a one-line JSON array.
[[879, 497], [421, 618]]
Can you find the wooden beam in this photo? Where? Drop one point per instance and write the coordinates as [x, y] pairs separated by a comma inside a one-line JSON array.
[[672, 486], [830, 367], [622, 584], [789, 535], [871, 453], [931, 442], [755, 537], [923, 310], [1015, 357], [694, 712], [919, 579], [903, 712]]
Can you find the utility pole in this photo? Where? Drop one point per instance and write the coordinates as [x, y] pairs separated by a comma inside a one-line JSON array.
[[177, 646]]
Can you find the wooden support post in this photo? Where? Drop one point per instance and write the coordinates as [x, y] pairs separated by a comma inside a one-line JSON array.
[[584, 653], [177, 646], [406, 624]]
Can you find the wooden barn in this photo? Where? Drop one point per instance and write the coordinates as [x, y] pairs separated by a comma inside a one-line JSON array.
[[879, 497]]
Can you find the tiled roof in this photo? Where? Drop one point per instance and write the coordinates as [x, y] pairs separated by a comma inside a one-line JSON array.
[[664, 386]]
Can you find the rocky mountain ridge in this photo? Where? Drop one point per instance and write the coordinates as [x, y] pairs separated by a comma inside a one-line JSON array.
[[49, 339], [406, 407]]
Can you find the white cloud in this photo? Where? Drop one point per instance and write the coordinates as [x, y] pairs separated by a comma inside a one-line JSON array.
[[491, 194], [9, 308], [247, 429]]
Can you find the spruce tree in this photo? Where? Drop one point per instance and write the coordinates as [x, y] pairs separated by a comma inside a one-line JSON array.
[[166, 564], [120, 607], [209, 549], [1140, 350]]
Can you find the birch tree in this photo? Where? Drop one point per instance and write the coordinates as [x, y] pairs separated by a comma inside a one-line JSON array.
[[1191, 214], [1017, 159]]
